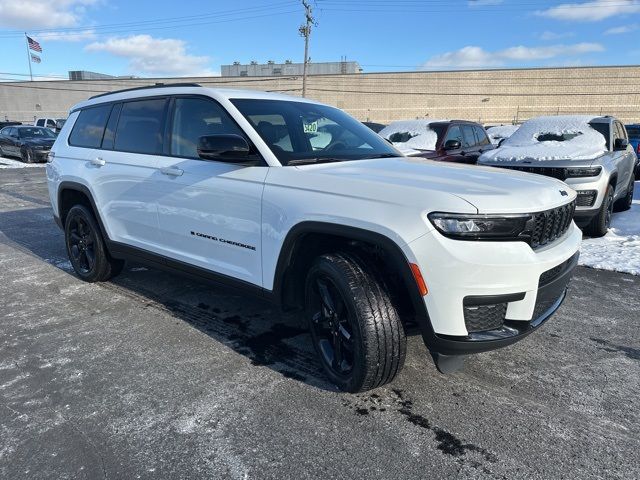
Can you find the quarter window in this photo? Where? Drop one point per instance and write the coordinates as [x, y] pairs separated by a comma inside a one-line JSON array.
[[89, 127], [140, 128], [194, 118]]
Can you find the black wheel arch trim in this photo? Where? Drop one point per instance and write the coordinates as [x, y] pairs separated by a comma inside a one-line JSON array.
[[78, 187]]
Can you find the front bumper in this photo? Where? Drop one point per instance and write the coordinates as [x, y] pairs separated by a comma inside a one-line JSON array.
[[508, 272]]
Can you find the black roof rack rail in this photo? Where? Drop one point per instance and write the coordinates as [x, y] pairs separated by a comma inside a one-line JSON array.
[[157, 85]]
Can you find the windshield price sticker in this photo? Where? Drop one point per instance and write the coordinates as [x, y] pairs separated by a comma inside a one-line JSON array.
[[310, 127]]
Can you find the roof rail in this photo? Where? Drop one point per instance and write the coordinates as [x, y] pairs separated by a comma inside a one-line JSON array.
[[157, 85]]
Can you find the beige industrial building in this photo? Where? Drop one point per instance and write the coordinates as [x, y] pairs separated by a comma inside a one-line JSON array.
[[488, 96]]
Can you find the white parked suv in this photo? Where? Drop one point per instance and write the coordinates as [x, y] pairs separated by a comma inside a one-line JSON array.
[[301, 204]]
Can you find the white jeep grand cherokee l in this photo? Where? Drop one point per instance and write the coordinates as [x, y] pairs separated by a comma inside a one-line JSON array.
[[299, 203]]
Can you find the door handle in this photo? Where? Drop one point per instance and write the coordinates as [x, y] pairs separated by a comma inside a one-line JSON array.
[[98, 162], [172, 171]]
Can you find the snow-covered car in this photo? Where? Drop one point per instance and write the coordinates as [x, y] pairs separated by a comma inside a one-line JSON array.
[[445, 140], [301, 204], [591, 154], [499, 133]]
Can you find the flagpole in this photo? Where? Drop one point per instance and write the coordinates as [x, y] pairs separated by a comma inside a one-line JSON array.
[[28, 56]]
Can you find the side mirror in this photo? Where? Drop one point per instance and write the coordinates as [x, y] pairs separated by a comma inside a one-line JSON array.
[[452, 145], [620, 144], [224, 148]]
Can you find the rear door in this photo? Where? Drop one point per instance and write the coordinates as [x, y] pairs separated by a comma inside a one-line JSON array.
[[627, 161], [122, 142], [209, 212]]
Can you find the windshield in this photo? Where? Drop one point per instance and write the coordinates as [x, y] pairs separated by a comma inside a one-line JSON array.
[[35, 132], [301, 133]]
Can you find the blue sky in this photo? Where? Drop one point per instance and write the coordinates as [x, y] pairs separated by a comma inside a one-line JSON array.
[[152, 38]]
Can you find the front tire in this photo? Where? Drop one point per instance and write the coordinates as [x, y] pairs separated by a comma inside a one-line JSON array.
[[625, 203], [355, 329], [26, 155], [86, 247], [600, 224]]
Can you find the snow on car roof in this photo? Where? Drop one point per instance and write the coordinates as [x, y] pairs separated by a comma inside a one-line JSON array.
[[499, 132], [422, 137], [562, 137]]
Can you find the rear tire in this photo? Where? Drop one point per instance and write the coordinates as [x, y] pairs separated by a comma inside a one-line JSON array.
[[625, 203], [599, 225], [86, 248], [356, 331]]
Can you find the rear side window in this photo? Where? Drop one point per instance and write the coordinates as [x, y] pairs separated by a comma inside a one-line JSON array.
[[141, 126], [482, 136], [89, 127], [469, 139], [40, 122]]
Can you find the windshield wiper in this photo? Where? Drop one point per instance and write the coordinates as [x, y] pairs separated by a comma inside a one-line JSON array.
[[309, 161]]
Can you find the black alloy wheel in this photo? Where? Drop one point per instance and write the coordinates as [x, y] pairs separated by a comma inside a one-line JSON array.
[[26, 155], [81, 245], [331, 326]]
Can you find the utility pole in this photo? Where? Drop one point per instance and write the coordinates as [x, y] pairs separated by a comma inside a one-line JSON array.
[[305, 31]]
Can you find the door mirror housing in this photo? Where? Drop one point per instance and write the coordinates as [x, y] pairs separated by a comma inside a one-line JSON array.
[[452, 145], [225, 148], [620, 144]]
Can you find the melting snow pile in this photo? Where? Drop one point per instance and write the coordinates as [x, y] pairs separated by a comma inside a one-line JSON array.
[[502, 131], [11, 163], [618, 250], [414, 135], [563, 137]]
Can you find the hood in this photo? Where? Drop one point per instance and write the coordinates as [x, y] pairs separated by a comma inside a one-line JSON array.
[[47, 142], [412, 179]]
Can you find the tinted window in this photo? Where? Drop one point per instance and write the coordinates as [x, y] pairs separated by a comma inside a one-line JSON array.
[[300, 132], [482, 136], [603, 129], [467, 134], [454, 133], [35, 132], [89, 127], [110, 131], [634, 132], [40, 122], [50, 123], [140, 127], [194, 118]]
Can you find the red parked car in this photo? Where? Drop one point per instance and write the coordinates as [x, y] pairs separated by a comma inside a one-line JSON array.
[[447, 140]]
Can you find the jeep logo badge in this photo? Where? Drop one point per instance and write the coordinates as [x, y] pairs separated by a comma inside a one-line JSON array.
[[564, 193]]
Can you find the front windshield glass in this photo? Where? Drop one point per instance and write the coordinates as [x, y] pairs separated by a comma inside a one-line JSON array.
[[35, 132], [301, 133]]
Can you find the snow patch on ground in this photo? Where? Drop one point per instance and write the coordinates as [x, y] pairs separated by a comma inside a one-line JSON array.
[[14, 163], [422, 137], [499, 132], [587, 143], [618, 250]]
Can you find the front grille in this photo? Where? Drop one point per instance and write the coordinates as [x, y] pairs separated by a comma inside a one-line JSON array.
[[551, 224], [542, 305], [553, 273], [555, 172], [484, 317], [586, 198]]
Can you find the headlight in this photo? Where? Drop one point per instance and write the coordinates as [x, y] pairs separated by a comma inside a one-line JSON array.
[[583, 172], [480, 227]]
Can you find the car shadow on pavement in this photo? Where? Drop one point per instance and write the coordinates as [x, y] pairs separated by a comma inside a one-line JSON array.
[[248, 325]]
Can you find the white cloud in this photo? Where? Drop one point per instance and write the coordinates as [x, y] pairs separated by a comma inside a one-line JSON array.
[[28, 14], [78, 36], [547, 35], [622, 29], [154, 56], [591, 11], [473, 56]]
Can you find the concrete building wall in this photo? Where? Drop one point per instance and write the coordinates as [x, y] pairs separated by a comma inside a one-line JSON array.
[[488, 96]]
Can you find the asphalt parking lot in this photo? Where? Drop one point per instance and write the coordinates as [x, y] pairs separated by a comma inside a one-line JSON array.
[[153, 376]]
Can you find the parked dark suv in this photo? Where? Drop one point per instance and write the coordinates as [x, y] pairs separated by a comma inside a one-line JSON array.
[[447, 140]]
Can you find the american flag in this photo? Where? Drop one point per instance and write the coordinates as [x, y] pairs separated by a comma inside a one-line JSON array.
[[35, 58], [33, 45]]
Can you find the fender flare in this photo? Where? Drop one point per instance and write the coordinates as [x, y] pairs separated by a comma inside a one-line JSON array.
[[79, 187]]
